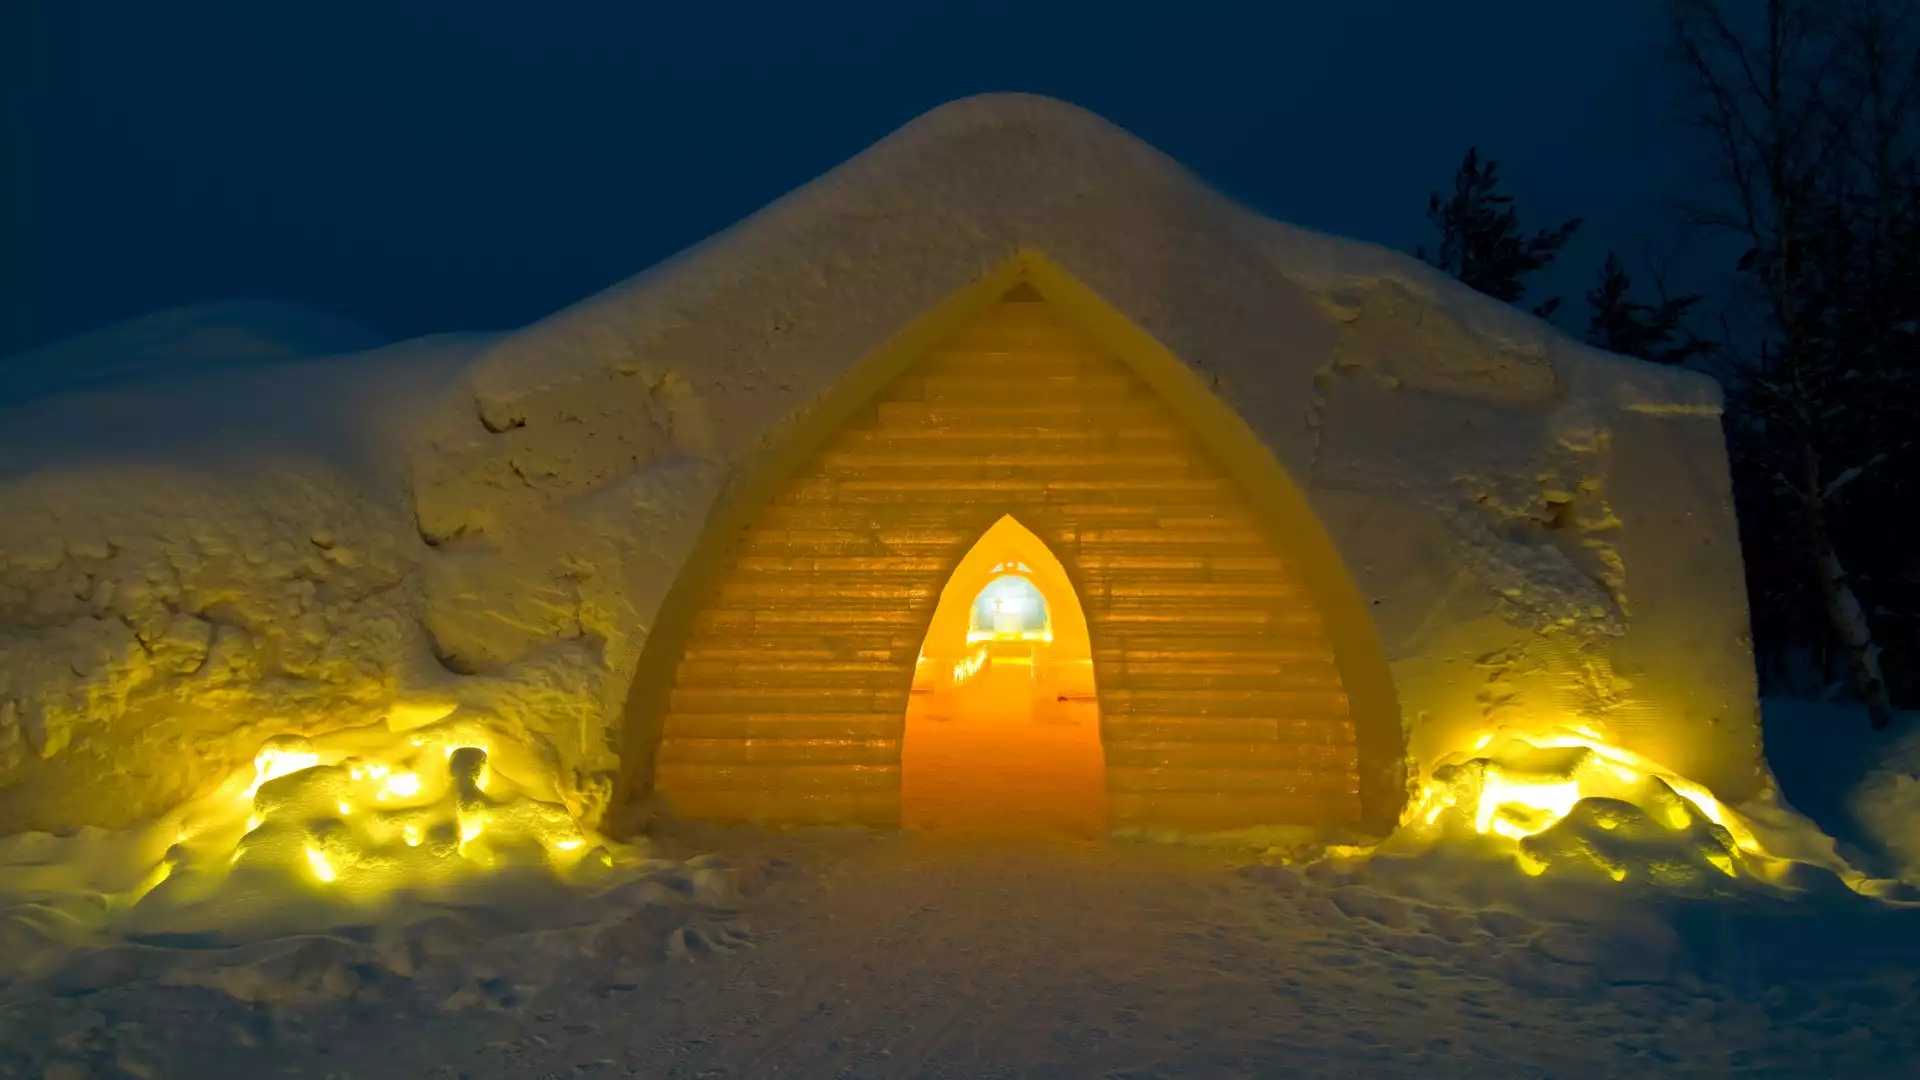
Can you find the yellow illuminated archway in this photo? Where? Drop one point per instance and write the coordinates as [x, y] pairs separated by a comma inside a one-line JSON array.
[[1002, 729], [1240, 679]]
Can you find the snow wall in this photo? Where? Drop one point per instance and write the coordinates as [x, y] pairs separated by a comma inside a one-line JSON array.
[[1543, 533]]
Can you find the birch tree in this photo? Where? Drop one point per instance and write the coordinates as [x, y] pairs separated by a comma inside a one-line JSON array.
[[1807, 112]]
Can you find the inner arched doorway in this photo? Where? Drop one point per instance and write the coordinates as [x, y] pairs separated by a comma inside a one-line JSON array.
[[1003, 725]]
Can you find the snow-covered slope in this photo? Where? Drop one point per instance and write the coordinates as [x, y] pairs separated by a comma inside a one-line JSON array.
[[198, 551], [355, 411], [180, 339], [1860, 785]]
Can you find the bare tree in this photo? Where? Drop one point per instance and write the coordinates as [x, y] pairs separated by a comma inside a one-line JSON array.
[[1807, 109]]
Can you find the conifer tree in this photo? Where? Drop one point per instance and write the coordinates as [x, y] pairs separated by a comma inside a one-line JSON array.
[[1481, 241], [1620, 324]]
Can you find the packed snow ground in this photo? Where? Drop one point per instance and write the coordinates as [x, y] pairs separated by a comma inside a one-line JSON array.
[[855, 953], [858, 954]]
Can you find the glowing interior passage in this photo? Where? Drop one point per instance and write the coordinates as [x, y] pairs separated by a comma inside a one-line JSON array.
[[1002, 732]]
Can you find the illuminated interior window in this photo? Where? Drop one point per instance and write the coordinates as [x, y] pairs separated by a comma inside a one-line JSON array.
[[1010, 608]]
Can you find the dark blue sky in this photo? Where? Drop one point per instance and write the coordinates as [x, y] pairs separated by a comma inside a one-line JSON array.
[[423, 165]]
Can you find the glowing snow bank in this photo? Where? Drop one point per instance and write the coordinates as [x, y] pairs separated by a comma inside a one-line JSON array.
[[1564, 801], [316, 833]]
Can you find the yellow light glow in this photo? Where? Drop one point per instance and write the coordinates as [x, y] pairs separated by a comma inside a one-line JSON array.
[[1511, 789], [1512, 830], [1498, 792], [968, 668], [321, 869], [1631, 767], [403, 785], [1716, 813], [351, 852], [274, 762], [151, 881]]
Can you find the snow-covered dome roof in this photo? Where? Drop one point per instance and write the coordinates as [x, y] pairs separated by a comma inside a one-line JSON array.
[[819, 277]]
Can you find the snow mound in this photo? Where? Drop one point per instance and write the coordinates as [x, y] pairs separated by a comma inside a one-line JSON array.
[[1566, 867], [197, 337], [191, 563], [1566, 803], [374, 832], [1861, 786], [1564, 825], [1886, 803]]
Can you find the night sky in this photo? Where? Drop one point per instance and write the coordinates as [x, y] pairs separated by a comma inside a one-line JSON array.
[[427, 165]]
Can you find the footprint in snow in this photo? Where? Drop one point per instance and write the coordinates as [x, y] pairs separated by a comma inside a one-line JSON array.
[[694, 941]]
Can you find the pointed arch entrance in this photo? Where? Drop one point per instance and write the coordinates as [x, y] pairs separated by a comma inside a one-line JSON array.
[[1239, 680], [1003, 726]]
